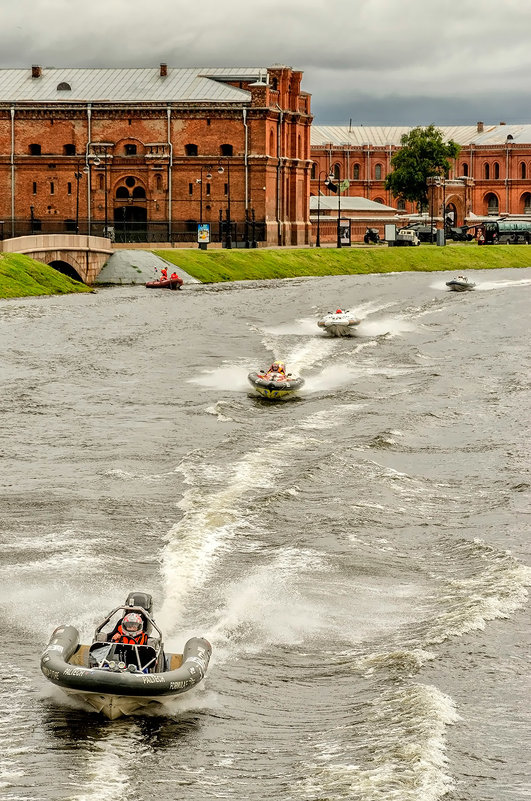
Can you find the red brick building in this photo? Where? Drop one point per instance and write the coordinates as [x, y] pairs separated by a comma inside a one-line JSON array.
[[149, 153], [491, 176]]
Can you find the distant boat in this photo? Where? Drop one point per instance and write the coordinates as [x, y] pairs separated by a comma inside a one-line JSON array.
[[165, 283], [275, 383], [340, 323], [460, 284]]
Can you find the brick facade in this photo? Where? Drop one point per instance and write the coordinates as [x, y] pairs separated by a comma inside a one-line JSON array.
[[159, 168], [494, 163]]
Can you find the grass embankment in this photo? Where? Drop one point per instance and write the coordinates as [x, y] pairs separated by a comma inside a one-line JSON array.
[[241, 265], [21, 276]]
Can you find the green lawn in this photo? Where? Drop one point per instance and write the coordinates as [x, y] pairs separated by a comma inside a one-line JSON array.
[[21, 276], [241, 265]]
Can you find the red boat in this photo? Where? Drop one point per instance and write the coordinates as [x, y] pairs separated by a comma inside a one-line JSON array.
[[165, 283]]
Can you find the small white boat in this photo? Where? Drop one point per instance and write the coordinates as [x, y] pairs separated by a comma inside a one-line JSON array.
[[341, 323], [460, 284], [275, 383]]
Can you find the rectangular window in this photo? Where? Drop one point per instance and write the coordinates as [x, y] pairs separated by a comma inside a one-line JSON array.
[[52, 188], [208, 189], [69, 189], [208, 122], [34, 187], [226, 190], [190, 189]]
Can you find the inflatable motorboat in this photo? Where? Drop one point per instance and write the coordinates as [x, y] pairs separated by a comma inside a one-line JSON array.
[[460, 284], [165, 283], [275, 383], [119, 678], [341, 323]]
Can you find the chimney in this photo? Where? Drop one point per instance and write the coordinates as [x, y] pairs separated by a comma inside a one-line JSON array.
[[480, 127], [36, 71], [163, 70]]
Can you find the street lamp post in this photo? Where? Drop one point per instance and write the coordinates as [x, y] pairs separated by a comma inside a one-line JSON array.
[[199, 181], [228, 238], [318, 237], [78, 175], [339, 245], [32, 215]]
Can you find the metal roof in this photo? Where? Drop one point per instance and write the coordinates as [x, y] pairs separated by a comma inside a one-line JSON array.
[[385, 136], [348, 203], [136, 85]]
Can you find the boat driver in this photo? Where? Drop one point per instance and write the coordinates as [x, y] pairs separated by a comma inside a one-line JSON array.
[[131, 630], [278, 367]]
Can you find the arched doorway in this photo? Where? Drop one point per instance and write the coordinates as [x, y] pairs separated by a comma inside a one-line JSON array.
[[450, 215], [66, 269], [130, 223]]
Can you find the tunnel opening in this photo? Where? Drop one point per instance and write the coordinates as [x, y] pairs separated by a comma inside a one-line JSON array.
[[66, 269]]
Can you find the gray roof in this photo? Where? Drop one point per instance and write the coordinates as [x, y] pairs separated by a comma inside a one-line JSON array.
[[140, 85], [347, 203], [382, 136]]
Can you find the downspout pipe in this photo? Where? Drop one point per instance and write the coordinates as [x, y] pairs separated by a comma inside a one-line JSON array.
[[12, 161], [87, 163], [279, 155], [170, 166], [245, 159]]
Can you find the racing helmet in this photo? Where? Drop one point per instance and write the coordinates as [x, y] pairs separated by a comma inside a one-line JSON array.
[[132, 624]]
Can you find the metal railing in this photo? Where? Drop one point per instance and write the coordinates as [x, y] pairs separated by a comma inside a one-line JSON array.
[[244, 234]]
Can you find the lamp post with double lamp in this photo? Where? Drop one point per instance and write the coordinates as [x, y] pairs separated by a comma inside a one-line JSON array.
[[78, 175], [228, 235], [318, 237], [199, 181]]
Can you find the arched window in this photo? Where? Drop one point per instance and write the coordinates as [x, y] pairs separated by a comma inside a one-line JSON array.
[[493, 204], [139, 193], [401, 205], [335, 171], [35, 150], [271, 143], [356, 172], [158, 182], [378, 172], [526, 202], [63, 87], [378, 200], [274, 84], [496, 170], [486, 171], [314, 170], [130, 150], [523, 170], [69, 150], [465, 169], [225, 150], [190, 150], [122, 192], [101, 182]]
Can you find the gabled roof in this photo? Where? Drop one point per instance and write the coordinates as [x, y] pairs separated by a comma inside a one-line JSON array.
[[382, 136], [136, 85]]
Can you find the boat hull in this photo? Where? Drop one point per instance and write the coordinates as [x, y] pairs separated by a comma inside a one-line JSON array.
[[275, 389], [116, 692], [459, 286], [339, 325]]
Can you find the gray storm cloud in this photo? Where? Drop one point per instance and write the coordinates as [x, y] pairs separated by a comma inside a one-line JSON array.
[[376, 61]]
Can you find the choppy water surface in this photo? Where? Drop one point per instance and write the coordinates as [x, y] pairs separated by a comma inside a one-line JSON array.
[[357, 557]]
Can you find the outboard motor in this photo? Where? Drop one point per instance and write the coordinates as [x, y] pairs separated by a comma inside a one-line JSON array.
[[142, 599]]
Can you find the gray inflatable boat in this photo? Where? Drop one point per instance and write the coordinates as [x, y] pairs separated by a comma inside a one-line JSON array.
[[120, 679]]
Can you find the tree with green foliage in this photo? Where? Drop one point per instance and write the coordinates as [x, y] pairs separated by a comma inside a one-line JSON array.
[[423, 153]]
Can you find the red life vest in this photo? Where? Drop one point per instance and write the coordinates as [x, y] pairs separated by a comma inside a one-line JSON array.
[[120, 636]]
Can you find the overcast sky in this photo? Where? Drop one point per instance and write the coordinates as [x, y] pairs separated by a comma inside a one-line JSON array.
[[377, 62]]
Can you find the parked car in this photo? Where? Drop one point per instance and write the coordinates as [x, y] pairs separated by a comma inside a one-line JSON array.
[[425, 233]]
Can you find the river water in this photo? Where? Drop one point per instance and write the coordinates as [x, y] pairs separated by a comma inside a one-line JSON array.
[[357, 557]]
